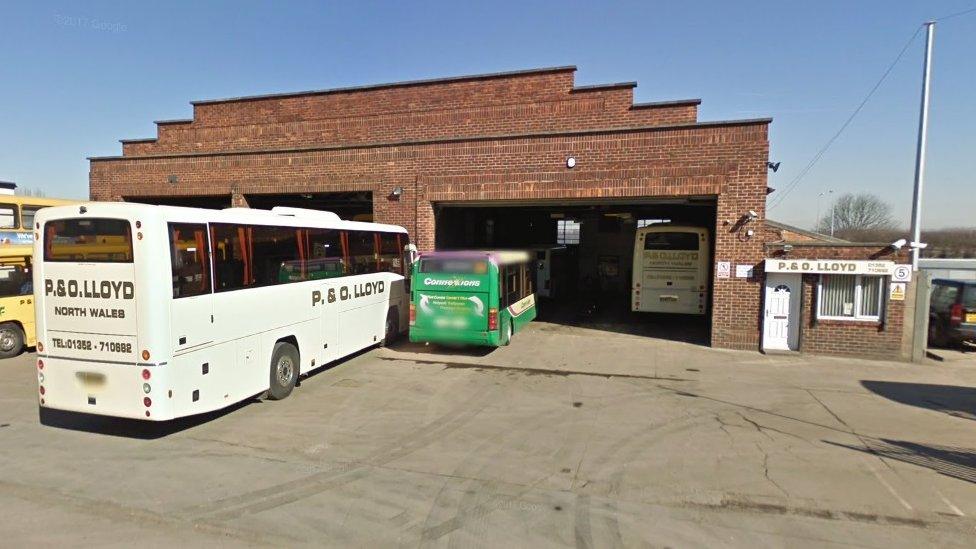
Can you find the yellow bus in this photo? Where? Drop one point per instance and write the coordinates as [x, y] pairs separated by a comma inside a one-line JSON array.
[[16, 284], [16, 299], [17, 216]]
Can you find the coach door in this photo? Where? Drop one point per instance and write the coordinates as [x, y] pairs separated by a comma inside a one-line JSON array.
[[192, 309]]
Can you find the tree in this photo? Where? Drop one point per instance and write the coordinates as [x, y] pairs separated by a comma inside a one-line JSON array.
[[856, 213]]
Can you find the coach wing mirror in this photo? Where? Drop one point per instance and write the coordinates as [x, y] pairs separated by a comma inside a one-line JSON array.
[[410, 255]]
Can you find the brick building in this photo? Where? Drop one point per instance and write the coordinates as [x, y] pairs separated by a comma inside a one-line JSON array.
[[496, 160]]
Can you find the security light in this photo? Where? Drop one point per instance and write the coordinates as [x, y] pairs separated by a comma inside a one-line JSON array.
[[571, 162], [397, 192], [752, 214], [899, 244]]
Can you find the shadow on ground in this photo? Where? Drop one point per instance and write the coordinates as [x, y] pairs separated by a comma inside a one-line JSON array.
[[950, 461], [950, 399], [130, 428], [150, 430], [613, 314]]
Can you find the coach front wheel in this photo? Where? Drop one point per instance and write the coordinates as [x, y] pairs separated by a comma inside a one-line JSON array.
[[284, 370]]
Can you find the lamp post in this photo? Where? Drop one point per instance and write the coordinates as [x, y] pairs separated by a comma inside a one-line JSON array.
[[923, 126]]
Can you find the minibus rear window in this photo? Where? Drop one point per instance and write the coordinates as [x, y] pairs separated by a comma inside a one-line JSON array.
[[88, 240], [453, 266]]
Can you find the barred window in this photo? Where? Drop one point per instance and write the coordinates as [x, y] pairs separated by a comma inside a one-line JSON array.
[[850, 297]]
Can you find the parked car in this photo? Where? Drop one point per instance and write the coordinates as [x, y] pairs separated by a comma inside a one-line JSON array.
[[952, 313]]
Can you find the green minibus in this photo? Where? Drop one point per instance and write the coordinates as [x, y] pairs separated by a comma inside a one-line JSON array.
[[476, 298]]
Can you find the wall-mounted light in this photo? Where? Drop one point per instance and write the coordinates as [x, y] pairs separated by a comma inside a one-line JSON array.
[[396, 193], [571, 162]]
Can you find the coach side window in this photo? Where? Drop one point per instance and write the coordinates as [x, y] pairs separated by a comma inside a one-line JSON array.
[[188, 258], [362, 252], [277, 258], [325, 255], [390, 252], [231, 263]]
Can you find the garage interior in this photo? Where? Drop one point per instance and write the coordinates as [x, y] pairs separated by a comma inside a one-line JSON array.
[[592, 279]]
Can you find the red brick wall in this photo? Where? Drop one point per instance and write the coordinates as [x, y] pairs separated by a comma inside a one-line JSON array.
[[498, 138]]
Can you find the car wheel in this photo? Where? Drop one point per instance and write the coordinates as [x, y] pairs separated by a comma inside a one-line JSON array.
[[936, 338], [284, 370], [11, 340]]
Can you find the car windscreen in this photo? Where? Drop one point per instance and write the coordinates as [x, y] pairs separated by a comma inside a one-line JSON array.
[[88, 240]]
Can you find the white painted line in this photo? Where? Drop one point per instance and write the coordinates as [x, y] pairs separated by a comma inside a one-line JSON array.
[[888, 486], [950, 505]]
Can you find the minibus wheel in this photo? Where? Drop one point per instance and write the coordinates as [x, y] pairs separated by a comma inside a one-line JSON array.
[[508, 333], [11, 340], [284, 370]]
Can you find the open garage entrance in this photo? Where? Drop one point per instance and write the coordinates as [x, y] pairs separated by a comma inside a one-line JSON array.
[[354, 206], [209, 201], [591, 246]]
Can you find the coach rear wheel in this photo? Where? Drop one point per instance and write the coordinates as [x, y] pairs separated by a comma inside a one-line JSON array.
[[508, 333], [11, 340], [392, 328], [284, 370]]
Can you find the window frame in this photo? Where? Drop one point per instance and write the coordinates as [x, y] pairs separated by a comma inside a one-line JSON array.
[[858, 301], [207, 265], [561, 232]]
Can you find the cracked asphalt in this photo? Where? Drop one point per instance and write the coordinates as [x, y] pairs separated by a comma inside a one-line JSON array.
[[569, 437]]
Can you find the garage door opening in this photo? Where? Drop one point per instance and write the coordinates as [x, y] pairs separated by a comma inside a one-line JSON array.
[[212, 202], [585, 254], [353, 206]]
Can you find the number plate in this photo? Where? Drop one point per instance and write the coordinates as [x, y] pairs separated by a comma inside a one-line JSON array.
[[970, 318]]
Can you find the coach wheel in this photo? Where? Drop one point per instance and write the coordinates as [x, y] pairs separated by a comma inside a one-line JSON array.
[[284, 370], [11, 340], [508, 333], [392, 327]]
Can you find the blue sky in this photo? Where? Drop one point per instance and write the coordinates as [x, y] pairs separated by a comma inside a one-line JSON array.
[[76, 77]]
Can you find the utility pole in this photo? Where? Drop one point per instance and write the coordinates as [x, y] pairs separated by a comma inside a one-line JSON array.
[[923, 126]]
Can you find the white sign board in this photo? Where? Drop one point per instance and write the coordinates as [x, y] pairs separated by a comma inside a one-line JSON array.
[[723, 269], [902, 273], [830, 266], [743, 271]]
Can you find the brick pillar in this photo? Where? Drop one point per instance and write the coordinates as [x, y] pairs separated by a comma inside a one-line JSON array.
[[237, 200]]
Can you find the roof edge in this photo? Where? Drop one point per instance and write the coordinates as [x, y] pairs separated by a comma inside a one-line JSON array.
[[405, 83], [141, 140], [807, 232], [409, 142], [173, 121], [602, 87], [673, 103]]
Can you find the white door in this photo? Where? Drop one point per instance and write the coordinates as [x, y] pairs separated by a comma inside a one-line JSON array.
[[781, 322]]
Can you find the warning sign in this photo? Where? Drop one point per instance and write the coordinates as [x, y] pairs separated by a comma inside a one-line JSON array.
[[723, 269], [897, 291]]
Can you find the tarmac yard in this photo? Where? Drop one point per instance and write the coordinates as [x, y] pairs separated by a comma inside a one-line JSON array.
[[568, 437]]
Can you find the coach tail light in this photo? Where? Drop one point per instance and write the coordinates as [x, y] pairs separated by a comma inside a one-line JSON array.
[[413, 314], [145, 355], [492, 319]]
